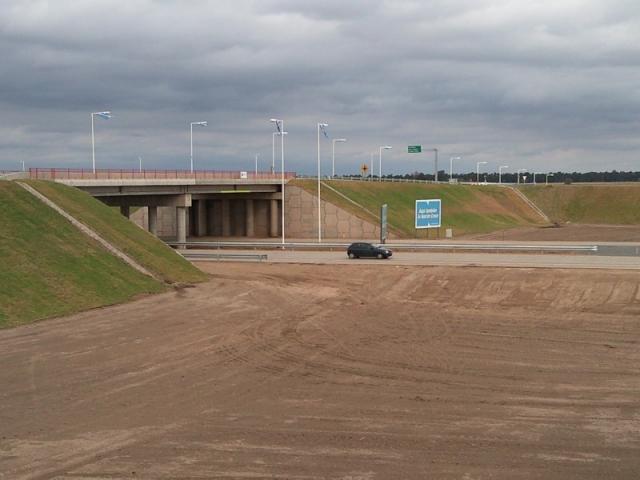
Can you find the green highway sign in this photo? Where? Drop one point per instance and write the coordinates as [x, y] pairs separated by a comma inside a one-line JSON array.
[[414, 149]]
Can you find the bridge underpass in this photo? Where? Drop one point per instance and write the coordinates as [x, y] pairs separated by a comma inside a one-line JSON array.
[[181, 204]]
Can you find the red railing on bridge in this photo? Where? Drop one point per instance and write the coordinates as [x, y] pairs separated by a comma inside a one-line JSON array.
[[115, 174]]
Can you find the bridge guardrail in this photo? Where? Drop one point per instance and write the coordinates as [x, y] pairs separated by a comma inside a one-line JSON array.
[[132, 174]]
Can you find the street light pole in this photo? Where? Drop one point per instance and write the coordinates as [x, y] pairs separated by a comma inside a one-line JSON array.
[[500, 172], [106, 115], [333, 155], [23, 167], [280, 126], [199, 124], [478, 170], [384, 147], [546, 180], [273, 152], [371, 166], [320, 126], [451, 159], [256, 165], [520, 170], [139, 163]]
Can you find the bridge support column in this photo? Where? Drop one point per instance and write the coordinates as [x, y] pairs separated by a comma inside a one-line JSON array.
[[249, 219], [181, 224], [125, 210], [201, 218], [226, 218], [153, 220], [273, 214]]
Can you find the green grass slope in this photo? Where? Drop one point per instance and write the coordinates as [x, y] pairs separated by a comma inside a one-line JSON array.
[[467, 209], [49, 268], [146, 249], [615, 204]]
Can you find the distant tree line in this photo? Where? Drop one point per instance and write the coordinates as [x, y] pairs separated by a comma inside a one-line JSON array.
[[510, 177]]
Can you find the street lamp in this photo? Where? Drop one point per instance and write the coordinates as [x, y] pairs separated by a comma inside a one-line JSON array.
[[500, 172], [280, 127], [478, 170], [257, 165], [451, 159], [546, 180], [333, 155], [199, 124], [520, 170], [321, 126], [384, 147], [140, 164], [105, 115], [23, 167], [371, 174]]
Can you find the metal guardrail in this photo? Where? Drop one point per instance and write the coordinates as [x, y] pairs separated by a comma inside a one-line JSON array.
[[131, 174], [223, 256], [395, 246]]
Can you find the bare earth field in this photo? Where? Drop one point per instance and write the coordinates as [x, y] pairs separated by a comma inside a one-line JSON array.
[[334, 372], [566, 233]]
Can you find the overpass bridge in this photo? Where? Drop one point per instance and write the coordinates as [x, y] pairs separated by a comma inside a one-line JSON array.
[[201, 203]]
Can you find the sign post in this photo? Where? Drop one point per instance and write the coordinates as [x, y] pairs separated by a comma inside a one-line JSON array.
[[428, 213], [383, 223]]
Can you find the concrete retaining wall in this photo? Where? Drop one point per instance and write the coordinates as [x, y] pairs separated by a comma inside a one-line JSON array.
[[301, 219]]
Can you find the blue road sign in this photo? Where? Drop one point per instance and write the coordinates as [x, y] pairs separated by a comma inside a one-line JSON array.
[[428, 213]]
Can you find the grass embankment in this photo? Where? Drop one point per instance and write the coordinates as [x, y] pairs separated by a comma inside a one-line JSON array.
[[49, 268], [467, 209], [589, 204], [140, 245]]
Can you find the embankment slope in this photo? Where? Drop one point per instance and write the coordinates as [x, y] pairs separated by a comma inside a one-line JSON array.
[[467, 209], [143, 247], [608, 204], [50, 268]]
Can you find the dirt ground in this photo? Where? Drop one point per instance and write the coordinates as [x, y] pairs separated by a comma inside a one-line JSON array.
[[566, 233], [274, 371]]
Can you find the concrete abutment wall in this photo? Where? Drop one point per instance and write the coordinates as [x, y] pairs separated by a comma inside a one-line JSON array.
[[229, 216]]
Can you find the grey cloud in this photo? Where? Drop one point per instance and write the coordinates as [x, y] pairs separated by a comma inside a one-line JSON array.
[[544, 83]]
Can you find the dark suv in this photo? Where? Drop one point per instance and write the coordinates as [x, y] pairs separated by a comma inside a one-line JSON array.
[[360, 249]]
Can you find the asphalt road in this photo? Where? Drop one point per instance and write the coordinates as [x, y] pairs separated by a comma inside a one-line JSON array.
[[446, 259]]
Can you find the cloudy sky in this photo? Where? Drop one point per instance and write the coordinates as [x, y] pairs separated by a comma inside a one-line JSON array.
[[537, 84]]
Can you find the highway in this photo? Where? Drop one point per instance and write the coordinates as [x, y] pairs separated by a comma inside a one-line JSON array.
[[517, 260]]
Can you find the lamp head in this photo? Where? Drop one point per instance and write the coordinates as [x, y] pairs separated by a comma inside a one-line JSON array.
[[339, 139]]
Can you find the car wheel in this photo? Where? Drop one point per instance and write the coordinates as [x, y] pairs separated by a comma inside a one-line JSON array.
[[380, 256], [351, 255]]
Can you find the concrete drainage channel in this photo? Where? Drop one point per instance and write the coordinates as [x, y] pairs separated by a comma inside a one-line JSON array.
[[189, 248]]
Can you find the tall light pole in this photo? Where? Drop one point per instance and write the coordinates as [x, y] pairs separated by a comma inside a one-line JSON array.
[[257, 165], [199, 124], [520, 170], [372, 153], [106, 115], [273, 152], [333, 155], [500, 172], [534, 178], [321, 126], [139, 163], [384, 147], [280, 127], [546, 180], [23, 167], [478, 170], [451, 159]]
